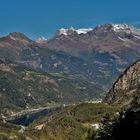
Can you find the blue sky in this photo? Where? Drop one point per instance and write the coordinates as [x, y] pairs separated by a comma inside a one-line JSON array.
[[44, 17]]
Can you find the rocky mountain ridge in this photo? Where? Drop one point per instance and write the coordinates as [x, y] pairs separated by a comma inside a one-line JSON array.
[[115, 36]]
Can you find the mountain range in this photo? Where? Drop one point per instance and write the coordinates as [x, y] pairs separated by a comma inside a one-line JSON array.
[[89, 61], [97, 55], [72, 67]]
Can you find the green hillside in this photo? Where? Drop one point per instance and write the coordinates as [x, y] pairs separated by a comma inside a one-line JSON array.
[[22, 88], [75, 123]]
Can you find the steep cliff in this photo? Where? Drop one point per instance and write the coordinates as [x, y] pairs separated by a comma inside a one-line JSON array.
[[126, 90]]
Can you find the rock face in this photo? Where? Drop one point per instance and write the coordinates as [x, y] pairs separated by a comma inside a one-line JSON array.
[[126, 90]]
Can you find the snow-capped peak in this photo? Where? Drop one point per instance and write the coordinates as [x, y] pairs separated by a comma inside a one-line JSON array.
[[118, 27], [71, 31], [62, 31], [41, 39], [84, 30], [127, 29]]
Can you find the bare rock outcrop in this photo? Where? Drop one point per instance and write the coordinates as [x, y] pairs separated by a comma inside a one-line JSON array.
[[126, 90]]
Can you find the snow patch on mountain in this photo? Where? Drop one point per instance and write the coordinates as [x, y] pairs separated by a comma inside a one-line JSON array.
[[125, 28], [118, 27], [84, 31], [62, 31], [13, 38], [41, 39], [71, 31]]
